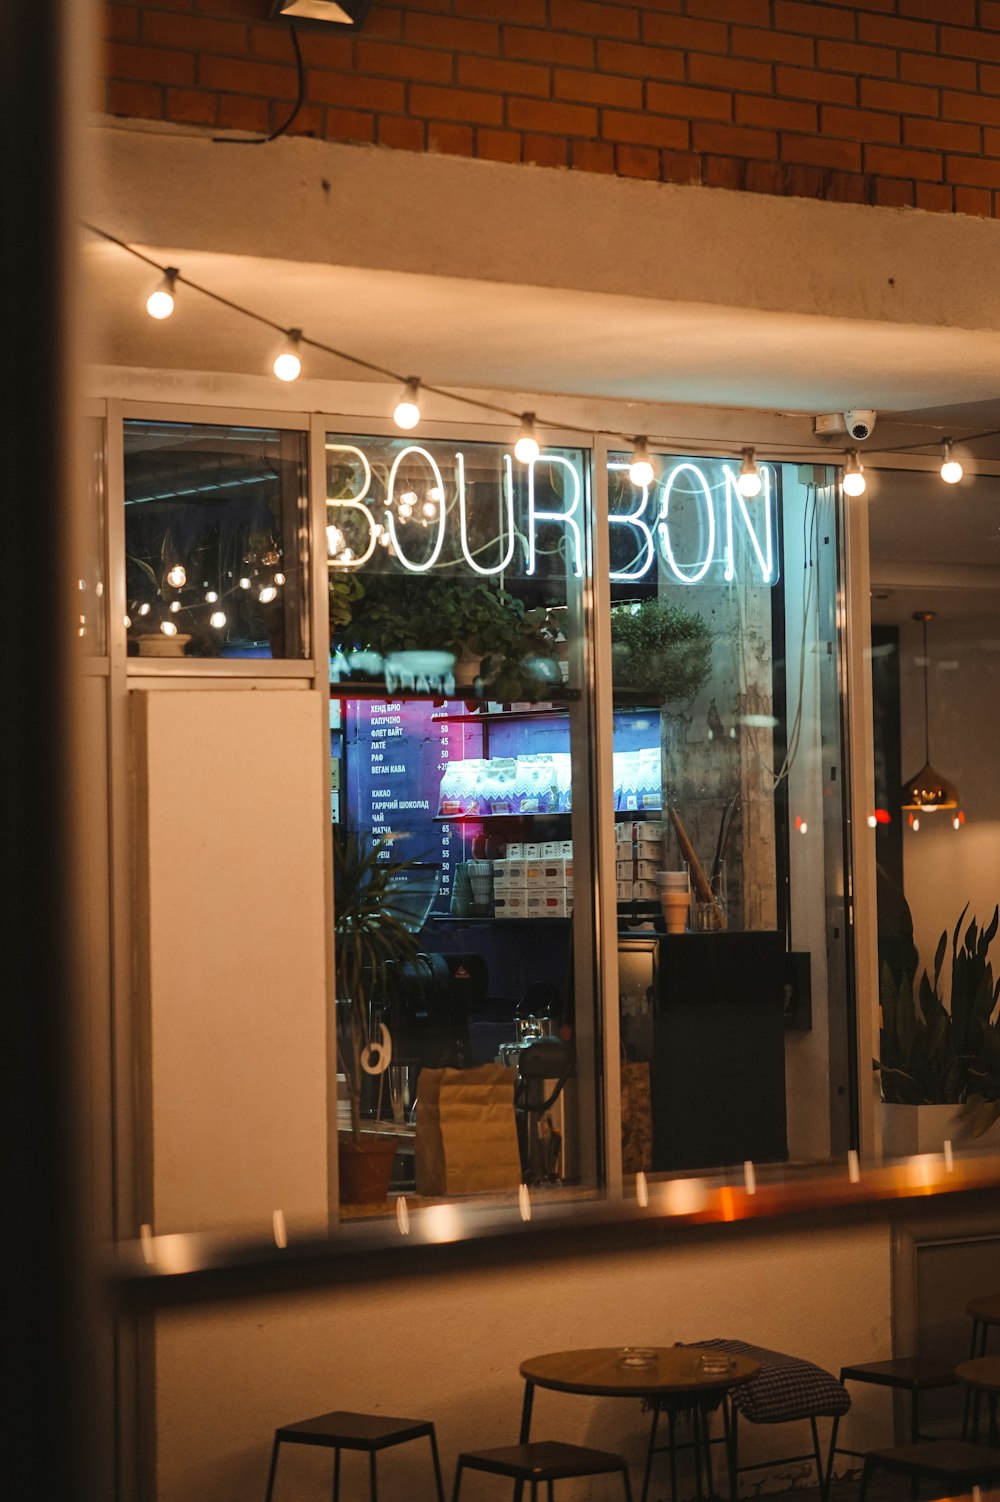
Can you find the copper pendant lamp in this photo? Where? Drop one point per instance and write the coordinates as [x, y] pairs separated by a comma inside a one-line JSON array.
[[928, 790]]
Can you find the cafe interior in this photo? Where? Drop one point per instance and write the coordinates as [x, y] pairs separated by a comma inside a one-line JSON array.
[[591, 831]]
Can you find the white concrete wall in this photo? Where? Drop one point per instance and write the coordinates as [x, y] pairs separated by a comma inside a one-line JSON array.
[[943, 868], [448, 1349], [231, 939]]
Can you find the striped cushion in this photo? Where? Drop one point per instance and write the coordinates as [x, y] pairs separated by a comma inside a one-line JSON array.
[[785, 1387]]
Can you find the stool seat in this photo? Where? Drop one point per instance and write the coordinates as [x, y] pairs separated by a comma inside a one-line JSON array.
[[343, 1430], [983, 1372], [950, 1462], [546, 1460], [986, 1310], [910, 1373]]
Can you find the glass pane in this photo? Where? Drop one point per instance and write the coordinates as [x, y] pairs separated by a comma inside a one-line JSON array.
[[727, 792], [936, 687], [91, 601], [460, 748], [216, 541]]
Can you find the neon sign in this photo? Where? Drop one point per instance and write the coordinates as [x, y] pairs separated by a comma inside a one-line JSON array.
[[691, 521]]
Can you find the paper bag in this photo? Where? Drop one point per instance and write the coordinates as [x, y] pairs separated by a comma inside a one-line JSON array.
[[466, 1140]]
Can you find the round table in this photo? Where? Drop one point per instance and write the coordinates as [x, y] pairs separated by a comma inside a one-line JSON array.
[[982, 1375], [674, 1377]]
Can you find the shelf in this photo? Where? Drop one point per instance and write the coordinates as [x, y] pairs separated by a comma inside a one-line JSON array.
[[507, 922], [491, 716], [559, 813]]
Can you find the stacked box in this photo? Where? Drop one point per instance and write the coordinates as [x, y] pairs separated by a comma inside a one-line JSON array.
[[637, 870]]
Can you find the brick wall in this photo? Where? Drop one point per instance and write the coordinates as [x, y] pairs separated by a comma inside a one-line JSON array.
[[871, 101]]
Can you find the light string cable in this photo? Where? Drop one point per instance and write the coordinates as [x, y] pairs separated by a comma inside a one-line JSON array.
[[286, 124]]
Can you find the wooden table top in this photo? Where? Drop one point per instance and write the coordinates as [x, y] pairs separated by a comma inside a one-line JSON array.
[[600, 1372], [987, 1309]]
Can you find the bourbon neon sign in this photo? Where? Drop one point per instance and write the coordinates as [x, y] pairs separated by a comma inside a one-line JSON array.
[[681, 512]]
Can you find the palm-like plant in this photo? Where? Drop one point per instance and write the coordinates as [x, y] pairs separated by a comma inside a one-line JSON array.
[[370, 933]]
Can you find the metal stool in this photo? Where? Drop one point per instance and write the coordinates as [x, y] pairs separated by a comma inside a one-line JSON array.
[[982, 1376], [354, 1431], [984, 1313], [951, 1463], [912, 1374], [541, 1460]]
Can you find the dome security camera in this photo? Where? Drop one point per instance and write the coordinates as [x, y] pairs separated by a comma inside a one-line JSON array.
[[860, 423]]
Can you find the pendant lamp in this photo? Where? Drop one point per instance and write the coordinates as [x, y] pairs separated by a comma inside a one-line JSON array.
[[928, 790]]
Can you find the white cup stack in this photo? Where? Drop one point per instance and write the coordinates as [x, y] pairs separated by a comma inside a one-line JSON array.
[[675, 899]]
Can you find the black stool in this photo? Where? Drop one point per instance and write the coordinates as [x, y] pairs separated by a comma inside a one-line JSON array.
[[541, 1460], [912, 1374], [982, 1376], [952, 1463], [984, 1314], [369, 1432]]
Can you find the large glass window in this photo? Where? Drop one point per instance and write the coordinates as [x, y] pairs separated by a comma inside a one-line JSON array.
[[729, 814], [460, 765], [216, 533]]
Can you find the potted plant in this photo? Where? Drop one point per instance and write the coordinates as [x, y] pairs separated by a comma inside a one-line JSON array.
[[493, 636], [660, 650], [371, 931], [948, 1057]]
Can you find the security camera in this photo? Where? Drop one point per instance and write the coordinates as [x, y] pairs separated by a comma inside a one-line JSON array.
[[860, 423]]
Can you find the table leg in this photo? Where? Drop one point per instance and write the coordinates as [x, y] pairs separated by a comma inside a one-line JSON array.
[[529, 1396], [705, 1434], [649, 1453]]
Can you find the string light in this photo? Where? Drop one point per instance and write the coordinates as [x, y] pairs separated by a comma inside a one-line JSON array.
[[288, 363], [287, 367], [267, 594], [527, 448], [160, 302], [407, 413], [640, 470], [854, 479], [217, 619], [177, 576], [168, 628], [951, 470], [748, 481]]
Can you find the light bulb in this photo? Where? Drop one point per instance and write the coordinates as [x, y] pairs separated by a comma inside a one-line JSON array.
[[407, 413], [288, 365], [244, 582], [408, 498], [640, 471], [160, 302], [334, 539], [217, 619], [429, 508], [526, 449], [168, 628], [279, 578], [144, 608], [177, 576], [748, 481], [951, 470], [872, 822], [854, 482], [175, 605], [384, 539], [267, 594], [211, 597], [347, 555], [128, 623]]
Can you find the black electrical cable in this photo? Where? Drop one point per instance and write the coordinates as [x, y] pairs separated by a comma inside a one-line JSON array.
[[264, 140]]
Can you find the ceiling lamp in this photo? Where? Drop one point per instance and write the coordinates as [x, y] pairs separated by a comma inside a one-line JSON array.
[[160, 302], [951, 469], [928, 790], [748, 481], [288, 363], [322, 12]]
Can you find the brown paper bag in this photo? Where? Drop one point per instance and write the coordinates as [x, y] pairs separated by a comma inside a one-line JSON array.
[[466, 1140]]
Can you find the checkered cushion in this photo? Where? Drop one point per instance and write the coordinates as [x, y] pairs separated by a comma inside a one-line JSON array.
[[784, 1388]]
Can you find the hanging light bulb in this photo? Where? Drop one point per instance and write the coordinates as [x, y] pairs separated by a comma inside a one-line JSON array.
[[408, 498], [168, 628], [244, 582], [951, 470], [288, 364], [160, 302], [407, 413], [279, 579], [640, 471], [267, 594], [854, 480], [211, 597], [748, 481], [527, 449], [430, 508], [175, 605], [217, 619], [928, 790], [177, 576]]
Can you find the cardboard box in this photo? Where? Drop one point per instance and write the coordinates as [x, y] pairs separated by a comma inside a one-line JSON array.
[[514, 852], [511, 904], [532, 852], [637, 870], [645, 891]]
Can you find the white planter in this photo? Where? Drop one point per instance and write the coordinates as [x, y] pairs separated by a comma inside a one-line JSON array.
[[924, 1129]]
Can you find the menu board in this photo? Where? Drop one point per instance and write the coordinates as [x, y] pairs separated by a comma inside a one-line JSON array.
[[396, 754]]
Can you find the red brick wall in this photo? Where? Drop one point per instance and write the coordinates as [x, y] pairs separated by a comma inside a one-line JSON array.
[[869, 101]]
